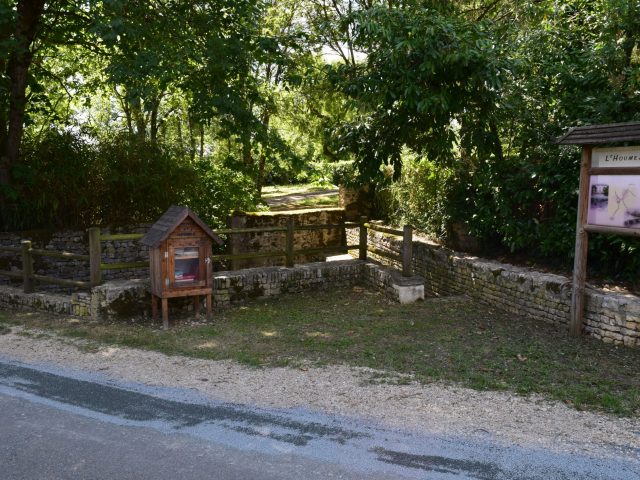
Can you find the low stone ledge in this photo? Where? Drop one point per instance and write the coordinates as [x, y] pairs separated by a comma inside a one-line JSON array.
[[395, 286], [609, 316], [124, 299], [14, 298]]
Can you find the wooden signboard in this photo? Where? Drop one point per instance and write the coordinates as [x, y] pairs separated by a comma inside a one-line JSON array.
[[609, 195]]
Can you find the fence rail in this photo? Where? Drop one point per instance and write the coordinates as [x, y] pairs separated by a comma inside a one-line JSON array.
[[96, 265], [27, 252]]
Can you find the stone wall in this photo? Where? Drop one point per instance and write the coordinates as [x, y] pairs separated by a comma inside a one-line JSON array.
[[276, 241], [238, 286], [356, 202], [125, 299], [75, 242], [610, 317], [77, 304]]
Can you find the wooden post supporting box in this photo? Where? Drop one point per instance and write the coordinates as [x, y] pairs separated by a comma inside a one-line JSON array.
[[180, 260]]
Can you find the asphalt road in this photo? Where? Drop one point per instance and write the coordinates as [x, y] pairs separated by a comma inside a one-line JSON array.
[[68, 425]]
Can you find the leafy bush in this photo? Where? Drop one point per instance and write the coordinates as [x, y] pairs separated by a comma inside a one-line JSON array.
[[138, 180], [517, 205], [71, 181], [427, 196], [345, 173], [217, 191], [55, 184]]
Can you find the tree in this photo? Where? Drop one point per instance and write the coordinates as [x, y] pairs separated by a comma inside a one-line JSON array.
[[28, 30], [430, 80]]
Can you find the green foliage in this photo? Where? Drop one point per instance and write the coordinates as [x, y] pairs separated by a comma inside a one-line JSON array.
[[138, 180], [69, 180], [424, 195], [496, 167], [345, 174], [217, 190], [54, 183], [424, 71]]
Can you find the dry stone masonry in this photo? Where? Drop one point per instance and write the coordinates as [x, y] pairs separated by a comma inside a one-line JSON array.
[[123, 299], [611, 317], [76, 242], [276, 241]]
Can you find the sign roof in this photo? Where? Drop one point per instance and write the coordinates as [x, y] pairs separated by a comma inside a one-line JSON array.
[[599, 134]]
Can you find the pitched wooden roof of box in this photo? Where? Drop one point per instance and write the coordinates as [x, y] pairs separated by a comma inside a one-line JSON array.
[[168, 222], [597, 134]]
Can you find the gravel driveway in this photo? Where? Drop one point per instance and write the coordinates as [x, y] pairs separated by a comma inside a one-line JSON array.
[[346, 391]]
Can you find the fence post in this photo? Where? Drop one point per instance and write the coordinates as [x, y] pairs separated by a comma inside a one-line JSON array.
[[95, 256], [363, 239], [289, 245], [27, 266], [407, 250]]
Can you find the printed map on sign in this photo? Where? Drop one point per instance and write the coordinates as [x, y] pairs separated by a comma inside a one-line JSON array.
[[614, 200]]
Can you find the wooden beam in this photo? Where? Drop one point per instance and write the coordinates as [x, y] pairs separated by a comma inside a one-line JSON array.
[[290, 241], [407, 251], [11, 274], [614, 171], [363, 238], [581, 249], [56, 254], [165, 313], [382, 253], [121, 266], [629, 232], [27, 266], [61, 281], [380, 228], [95, 256], [121, 237], [244, 256], [231, 231], [209, 305]]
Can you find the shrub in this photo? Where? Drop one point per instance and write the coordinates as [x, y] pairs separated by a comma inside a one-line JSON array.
[[217, 191], [68, 180], [54, 183]]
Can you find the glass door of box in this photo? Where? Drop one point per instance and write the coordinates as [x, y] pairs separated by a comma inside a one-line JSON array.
[[188, 266]]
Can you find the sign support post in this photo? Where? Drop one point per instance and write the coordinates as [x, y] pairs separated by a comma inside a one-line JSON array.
[[609, 198], [582, 245]]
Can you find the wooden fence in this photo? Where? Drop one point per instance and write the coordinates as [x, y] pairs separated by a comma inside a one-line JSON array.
[[96, 265], [27, 274]]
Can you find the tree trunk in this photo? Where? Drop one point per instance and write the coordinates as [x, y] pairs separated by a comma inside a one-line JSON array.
[[246, 152], [28, 17], [192, 137], [153, 122], [201, 141], [266, 118], [138, 118]]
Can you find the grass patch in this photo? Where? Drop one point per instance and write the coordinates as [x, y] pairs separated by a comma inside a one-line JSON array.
[[330, 200], [449, 340], [291, 197], [280, 190]]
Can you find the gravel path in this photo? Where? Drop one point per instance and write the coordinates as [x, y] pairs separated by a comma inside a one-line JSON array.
[[345, 391], [277, 201]]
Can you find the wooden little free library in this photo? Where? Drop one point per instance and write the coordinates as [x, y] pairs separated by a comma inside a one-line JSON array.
[[180, 260]]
